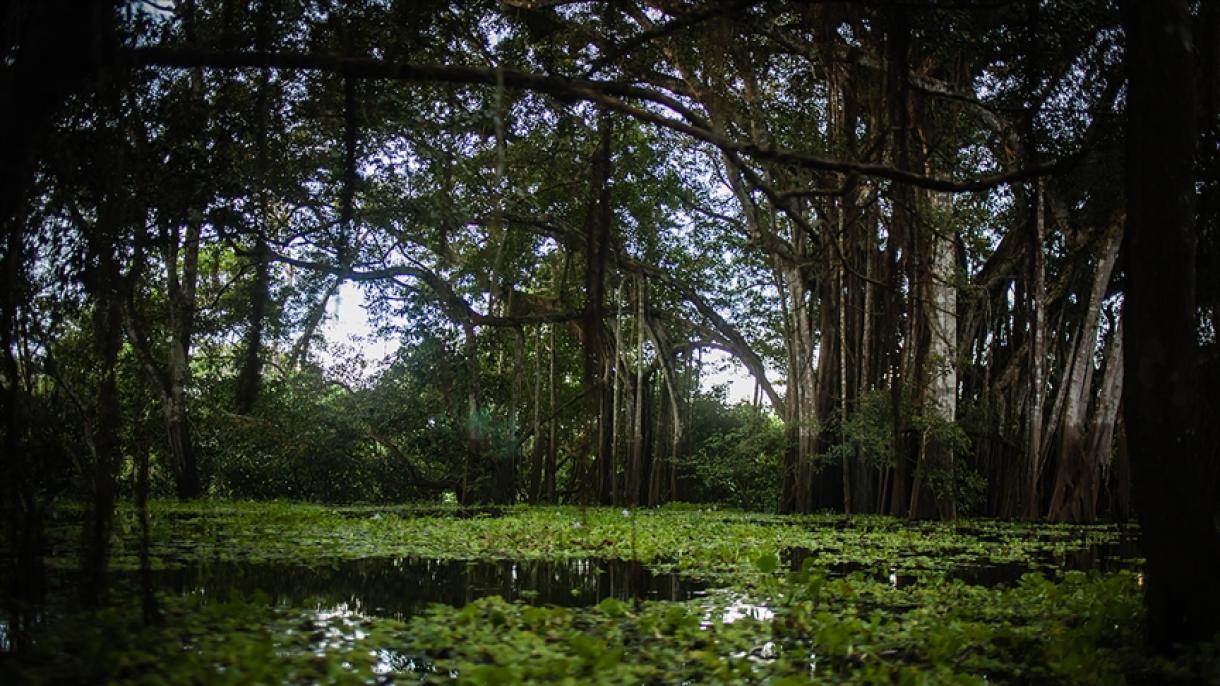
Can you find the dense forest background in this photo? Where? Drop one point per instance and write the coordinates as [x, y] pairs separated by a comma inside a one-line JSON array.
[[966, 251]]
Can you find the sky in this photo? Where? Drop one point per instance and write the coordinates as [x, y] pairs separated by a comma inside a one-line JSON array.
[[348, 324]]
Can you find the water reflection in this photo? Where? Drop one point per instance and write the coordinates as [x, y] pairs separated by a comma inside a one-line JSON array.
[[979, 570], [990, 574], [741, 608], [416, 512], [398, 587]]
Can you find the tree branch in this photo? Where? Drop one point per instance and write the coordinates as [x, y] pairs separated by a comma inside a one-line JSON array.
[[606, 93]]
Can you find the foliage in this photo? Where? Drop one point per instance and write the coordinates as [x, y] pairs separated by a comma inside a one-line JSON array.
[[315, 438], [735, 456]]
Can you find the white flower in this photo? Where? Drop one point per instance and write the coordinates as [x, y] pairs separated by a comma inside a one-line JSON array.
[[626, 512]]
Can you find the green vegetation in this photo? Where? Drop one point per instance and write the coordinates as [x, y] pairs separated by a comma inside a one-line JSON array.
[[960, 249], [789, 599], [686, 538]]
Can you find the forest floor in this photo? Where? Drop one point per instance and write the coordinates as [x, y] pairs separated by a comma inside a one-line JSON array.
[[294, 593]]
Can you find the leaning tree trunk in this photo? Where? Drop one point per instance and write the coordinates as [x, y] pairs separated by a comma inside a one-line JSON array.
[[1078, 474], [1170, 429], [1101, 448]]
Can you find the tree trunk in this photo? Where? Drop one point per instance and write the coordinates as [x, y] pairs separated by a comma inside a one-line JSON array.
[[21, 506], [106, 450], [250, 378], [607, 470], [657, 475], [181, 300], [552, 444], [539, 447], [670, 379], [1170, 427], [1037, 359], [507, 455], [936, 470], [1077, 476], [637, 425], [897, 97], [597, 359], [802, 391], [1101, 449], [300, 351], [841, 291], [617, 404], [476, 440]]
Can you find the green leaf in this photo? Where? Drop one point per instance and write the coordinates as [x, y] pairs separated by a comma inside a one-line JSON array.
[[768, 562]]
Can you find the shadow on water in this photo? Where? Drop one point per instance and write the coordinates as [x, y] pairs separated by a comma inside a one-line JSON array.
[[415, 512], [398, 587], [383, 586], [981, 570]]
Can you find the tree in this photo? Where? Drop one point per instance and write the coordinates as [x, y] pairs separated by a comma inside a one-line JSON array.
[[1170, 423], [883, 211]]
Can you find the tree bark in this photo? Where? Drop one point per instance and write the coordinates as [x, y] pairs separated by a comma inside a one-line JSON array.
[[552, 444], [539, 446], [1037, 359], [181, 298], [669, 397], [897, 98], [250, 376], [617, 403], [1101, 448], [1078, 474], [935, 474], [476, 429], [1170, 427], [635, 474], [597, 358], [105, 290]]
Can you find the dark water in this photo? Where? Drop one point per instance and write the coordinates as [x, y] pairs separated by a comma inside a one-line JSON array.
[[415, 512], [982, 571], [386, 586], [401, 586]]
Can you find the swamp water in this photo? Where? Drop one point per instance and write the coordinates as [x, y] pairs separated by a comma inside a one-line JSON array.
[[432, 593], [401, 586], [980, 570]]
